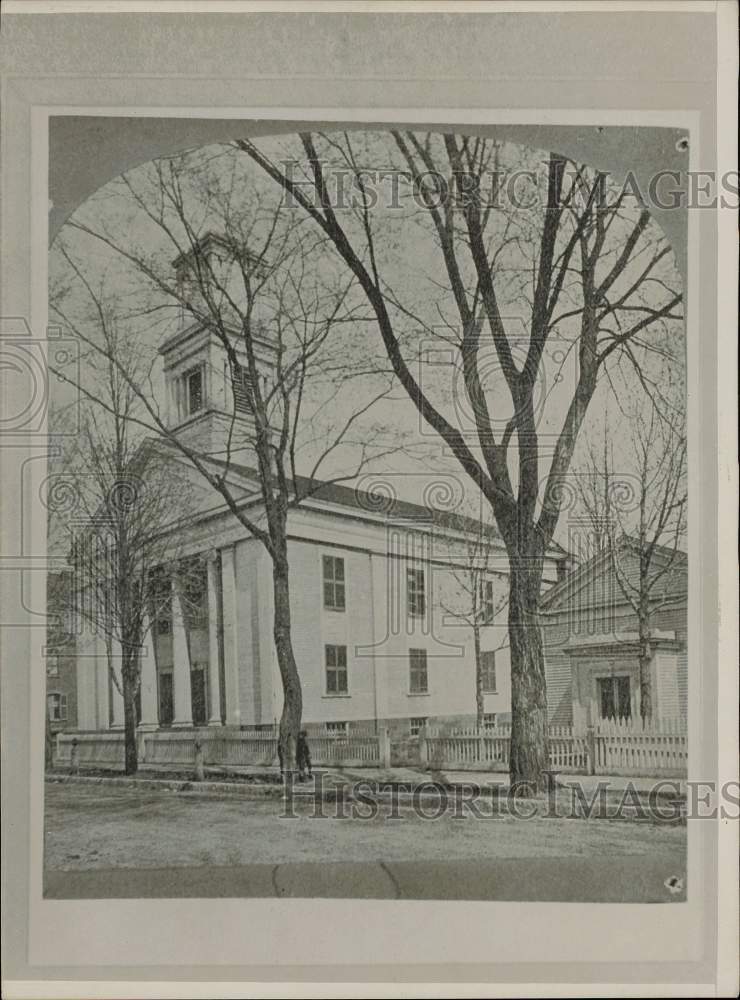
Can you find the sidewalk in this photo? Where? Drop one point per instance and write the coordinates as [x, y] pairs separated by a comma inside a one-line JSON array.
[[410, 779]]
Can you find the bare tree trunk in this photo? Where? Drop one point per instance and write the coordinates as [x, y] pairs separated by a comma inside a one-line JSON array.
[[529, 756], [48, 744], [290, 720], [478, 678], [129, 685], [645, 661]]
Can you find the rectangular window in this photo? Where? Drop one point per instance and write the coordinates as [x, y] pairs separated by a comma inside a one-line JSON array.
[[614, 697], [488, 671], [485, 602], [415, 594], [241, 386], [416, 725], [336, 669], [418, 681], [193, 390], [52, 665], [57, 706], [336, 728], [489, 720], [333, 583]]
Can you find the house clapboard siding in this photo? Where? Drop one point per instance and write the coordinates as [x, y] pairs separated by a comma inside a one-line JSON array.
[[589, 625]]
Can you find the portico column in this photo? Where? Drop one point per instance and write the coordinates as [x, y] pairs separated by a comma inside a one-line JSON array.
[[148, 682], [214, 673], [183, 702], [231, 648], [116, 661], [98, 650]]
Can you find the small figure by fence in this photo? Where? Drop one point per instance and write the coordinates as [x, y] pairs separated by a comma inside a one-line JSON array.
[[303, 756], [74, 757]]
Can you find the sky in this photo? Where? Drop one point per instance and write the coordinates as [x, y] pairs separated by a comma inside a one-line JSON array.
[[222, 187]]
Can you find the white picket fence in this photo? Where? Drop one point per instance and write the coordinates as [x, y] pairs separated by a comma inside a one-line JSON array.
[[624, 747], [228, 748], [631, 747]]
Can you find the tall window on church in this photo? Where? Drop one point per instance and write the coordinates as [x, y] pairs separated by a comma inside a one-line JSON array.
[[488, 671], [193, 381], [241, 385], [336, 669], [486, 611], [333, 583], [415, 593]]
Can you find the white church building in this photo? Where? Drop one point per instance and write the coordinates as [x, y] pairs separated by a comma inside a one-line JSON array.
[[371, 580]]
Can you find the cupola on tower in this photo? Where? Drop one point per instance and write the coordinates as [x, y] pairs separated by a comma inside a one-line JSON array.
[[207, 397]]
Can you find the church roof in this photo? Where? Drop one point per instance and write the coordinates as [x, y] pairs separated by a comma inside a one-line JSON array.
[[362, 501], [350, 496]]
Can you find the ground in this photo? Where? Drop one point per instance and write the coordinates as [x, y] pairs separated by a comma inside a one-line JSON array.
[[105, 841]]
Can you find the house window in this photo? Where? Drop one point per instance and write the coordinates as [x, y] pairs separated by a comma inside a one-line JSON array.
[[166, 699], [336, 728], [488, 671], [614, 697], [52, 665], [193, 381], [241, 385], [336, 669], [333, 583], [416, 725], [489, 721], [194, 594], [485, 602], [415, 594], [57, 707], [418, 681]]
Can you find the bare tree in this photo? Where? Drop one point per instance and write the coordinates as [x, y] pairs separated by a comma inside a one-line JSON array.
[[115, 537], [583, 263], [473, 599], [244, 273], [643, 540]]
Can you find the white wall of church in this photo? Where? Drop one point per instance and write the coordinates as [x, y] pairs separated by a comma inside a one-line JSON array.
[[375, 628]]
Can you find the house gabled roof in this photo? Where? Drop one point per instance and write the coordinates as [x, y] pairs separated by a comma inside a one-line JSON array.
[[563, 592]]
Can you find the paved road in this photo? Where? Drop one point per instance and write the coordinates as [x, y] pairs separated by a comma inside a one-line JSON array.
[[562, 879]]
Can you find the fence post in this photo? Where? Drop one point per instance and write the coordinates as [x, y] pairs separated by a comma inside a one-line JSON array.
[[74, 756], [423, 748], [199, 772], [591, 749], [384, 747]]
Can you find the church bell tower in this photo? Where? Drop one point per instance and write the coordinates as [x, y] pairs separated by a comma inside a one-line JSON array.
[[207, 397]]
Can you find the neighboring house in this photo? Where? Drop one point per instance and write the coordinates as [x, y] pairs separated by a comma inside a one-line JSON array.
[[370, 637], [60, 656], [590, 636]]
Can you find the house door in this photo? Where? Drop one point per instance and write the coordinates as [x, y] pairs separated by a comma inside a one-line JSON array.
[[198, 695], [166, 707], [614, 697]]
